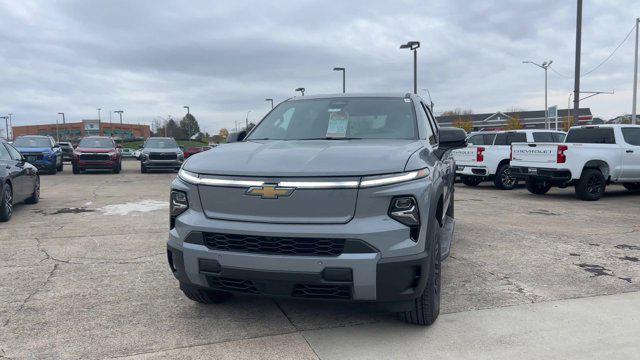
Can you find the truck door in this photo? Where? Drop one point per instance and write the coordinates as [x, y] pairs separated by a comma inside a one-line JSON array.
[[630, 153]]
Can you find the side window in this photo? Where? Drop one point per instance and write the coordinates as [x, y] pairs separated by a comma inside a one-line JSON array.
[[509, 138], [433, 138], [488, 138], [476, 140], [15, 155], [631, 136], [4, 153], [542, 137]]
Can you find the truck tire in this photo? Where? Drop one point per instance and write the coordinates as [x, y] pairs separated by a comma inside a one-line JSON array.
[[538, 187], [75, 169], [117, 168], [204, 296], [471, 180], [143, 169], [591, 185], [53, 170], [35, 195], [634, 187], [61, 166], [6, 202], [427, 306], [503, 179]]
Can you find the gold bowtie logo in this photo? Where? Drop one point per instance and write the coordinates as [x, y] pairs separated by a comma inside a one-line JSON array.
[[269, 191]]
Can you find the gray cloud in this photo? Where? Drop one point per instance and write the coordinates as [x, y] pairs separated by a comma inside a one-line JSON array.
[[151, 57]]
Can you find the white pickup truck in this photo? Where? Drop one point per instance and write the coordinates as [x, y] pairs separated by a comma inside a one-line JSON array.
[[487, 155], [590, 158]]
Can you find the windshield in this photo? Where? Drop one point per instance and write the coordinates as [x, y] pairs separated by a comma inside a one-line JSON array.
[[161, 144], [32, 142], [96, 143], [339, 118]]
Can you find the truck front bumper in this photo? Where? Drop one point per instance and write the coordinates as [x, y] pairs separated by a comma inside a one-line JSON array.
[[162, 164]]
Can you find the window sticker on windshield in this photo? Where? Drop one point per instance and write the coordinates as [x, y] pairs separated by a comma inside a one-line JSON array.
[[338, 123]]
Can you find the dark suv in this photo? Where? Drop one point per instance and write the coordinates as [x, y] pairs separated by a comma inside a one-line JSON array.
[[40, 151], [98, 153]]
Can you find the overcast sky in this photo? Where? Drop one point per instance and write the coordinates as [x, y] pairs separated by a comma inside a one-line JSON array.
[[222, 58]]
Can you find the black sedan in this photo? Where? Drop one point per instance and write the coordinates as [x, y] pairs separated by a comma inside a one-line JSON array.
[[19, 180]]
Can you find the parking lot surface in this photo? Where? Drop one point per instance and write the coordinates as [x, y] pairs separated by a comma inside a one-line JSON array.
[[83, 274]]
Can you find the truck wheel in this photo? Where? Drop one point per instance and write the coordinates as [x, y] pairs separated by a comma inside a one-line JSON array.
[[427, 306], [632, 186], [538, 187], [504, 179], [60, 167], [53, 170], [143, 169], [6, 202], [75, 169], [35, 196], [204, 296], [116, 169], [591, 185], [471, 180]]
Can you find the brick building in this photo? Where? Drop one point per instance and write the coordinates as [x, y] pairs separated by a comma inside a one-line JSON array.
[[75, 131]]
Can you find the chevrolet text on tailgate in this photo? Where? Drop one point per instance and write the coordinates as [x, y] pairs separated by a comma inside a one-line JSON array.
[[590, 158], [336, 197], [487, 155]]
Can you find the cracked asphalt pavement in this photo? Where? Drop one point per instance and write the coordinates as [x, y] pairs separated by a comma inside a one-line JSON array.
[[79, 282]]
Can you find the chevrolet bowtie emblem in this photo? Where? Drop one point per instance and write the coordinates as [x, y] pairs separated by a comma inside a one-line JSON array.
[[269, 191]]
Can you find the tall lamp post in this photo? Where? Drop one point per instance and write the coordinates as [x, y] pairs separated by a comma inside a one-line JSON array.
[[413, 45], [301, 89], [11, 124], [188, 110], [246, 122], [545, 66], [343, 77], [271, 101], [635, 76], [119, 112], [6, 126], [63, 118], [99, 113]]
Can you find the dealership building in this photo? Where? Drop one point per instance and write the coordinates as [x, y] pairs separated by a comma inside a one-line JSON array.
[[76, 130], [528, 119]]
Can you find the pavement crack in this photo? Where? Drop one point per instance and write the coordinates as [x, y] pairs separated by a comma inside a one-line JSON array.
[[529, 295], [31, 295]]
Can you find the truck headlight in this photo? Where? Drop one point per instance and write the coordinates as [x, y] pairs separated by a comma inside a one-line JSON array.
[[379, 180], [404, 209], [178, 204]]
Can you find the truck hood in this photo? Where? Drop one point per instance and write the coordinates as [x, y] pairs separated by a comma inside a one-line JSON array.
[[305, 158]]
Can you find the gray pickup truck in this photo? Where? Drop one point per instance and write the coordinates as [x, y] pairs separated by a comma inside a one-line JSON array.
[[334, 197]]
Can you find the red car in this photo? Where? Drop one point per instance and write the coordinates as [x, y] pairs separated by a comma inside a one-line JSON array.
[[195, 149], [96, 152]]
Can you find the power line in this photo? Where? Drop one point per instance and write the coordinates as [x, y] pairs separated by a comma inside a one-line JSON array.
[[602, 62]]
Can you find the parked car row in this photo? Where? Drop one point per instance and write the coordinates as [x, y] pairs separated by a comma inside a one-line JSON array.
[[587, 157]]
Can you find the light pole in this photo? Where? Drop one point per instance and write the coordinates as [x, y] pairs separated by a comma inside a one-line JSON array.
[[246, 122], [413, 45], [6, 126], [343, 77], [545, 66], [635, 78], [99, 114], [576, 68], [119, 112], [301, 89], [271, 101], [11, 124], [63, 119], [186, 107]]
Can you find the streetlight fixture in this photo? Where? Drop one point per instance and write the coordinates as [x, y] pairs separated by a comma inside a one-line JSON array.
[[343, 76], [63, 119], [301, 89], [6, 126], [271, 101], [545, 66], [186, 107], [413, 45], [11, 124], [99, 113], [119, 112]]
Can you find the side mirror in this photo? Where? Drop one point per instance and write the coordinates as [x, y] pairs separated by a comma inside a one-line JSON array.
[[450, 139], [236, 136]]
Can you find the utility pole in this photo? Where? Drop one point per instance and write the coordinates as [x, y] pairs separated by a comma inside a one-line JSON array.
[[576, 76], [119, 112], [99, 114], [271, 101], [343, 77], [635, 78], [11, 125], [6, 126], [246, 122]]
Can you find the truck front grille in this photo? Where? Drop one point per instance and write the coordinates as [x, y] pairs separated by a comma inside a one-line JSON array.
[[94, 157], [272, 245], [154, 156]]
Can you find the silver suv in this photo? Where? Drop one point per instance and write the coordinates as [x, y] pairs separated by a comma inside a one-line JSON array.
[[337, 197], [160, 153]]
